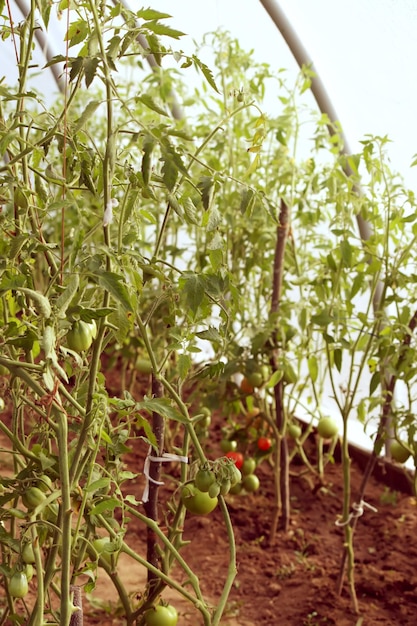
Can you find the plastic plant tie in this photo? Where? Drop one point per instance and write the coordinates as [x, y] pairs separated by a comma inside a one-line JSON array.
[[108, 213], [166, 457], [358, 510]]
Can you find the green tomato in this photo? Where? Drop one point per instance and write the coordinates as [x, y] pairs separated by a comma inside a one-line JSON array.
[[28, 555], [80, 336], [256, 379], [33, 497], [29, 571], [161, 616], [294, 431], [248, 467], [18, 585], [103, 548], [399, 452], [251, 483], [225, 487], [143, 366], [196, 501], [44, 483], [327, 428], [4, 371], [204, 479], [227, 445], [236, 489]]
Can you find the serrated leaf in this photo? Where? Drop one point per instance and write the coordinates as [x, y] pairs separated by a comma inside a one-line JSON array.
[[149, 102], [163, 407], [216, 242], [162, 29], [207, 73], [90, 69], [151, 14], [322, 319], [88, 112], [193, 287], [109, 504], [169, 172], [113, 283], [190, 212], [184, 364], [211, 334], [101, 483], [62, 303], [76, 33], [214, 219], [206, 185]]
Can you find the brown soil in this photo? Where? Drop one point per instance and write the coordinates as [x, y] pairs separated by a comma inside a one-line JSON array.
[[293, 582]]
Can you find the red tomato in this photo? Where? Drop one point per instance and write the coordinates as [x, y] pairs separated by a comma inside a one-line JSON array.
[[264, 444], [237, 457]]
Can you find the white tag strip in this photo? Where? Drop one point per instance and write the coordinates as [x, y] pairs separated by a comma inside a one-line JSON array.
[[166, 457], [358, 510]]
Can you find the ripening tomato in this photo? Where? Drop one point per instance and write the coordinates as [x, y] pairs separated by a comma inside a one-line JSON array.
[[161, 616], [237, 457], [246, 387], [255, 379], [264, 444]]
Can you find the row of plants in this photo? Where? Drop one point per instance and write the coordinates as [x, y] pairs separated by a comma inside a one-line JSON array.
[[216, 251]]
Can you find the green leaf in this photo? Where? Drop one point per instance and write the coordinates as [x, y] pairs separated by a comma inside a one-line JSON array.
[[207, 73], [113, 283], [313, 367], [62, 303], [193, 286], [90, 69], [162, 29], [375, 382], [206, 185], [148, 146], [109, 504], [88, 112], [211, 334], [184, 364], [149, 102], [151, 14], [346, 252], [337, 357], [322, 319], [163, 407], [169, 171], [275, 379], [77, 32], [190, 212]]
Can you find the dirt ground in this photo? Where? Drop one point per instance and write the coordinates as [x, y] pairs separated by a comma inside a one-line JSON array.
[[292, 583]]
